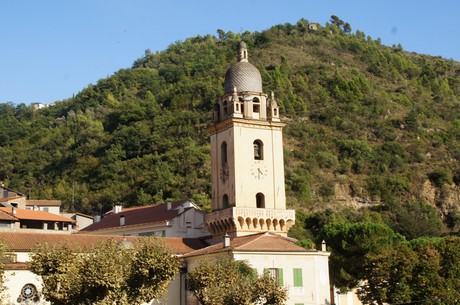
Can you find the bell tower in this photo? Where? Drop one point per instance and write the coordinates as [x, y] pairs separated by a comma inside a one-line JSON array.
[[248, 192]]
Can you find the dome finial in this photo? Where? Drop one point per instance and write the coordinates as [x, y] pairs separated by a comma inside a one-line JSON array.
[[243, 54]]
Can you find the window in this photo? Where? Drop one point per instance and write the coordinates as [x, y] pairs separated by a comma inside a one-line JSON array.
[[46, 209], [258, 150], [298, 277], [188, 224], [255, 105], [276, 274], [216, 113], [225, 201], [223, 153], [260, 201], [225, 107], [28, 293]]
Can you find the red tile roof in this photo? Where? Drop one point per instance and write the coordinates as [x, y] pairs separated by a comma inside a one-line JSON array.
[[137, 216], [44, 203], [265, 242], [25, 242], [7, 217], [23, 214]]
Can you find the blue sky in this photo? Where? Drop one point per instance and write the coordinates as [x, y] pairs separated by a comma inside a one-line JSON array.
[[52, 49]]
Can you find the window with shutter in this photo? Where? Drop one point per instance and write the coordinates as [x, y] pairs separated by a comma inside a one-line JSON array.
[[298, 277]]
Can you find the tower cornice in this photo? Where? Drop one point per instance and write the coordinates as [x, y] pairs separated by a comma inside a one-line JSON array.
[[232, 122]]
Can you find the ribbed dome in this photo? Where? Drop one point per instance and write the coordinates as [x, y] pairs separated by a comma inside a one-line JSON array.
[[244, 76]]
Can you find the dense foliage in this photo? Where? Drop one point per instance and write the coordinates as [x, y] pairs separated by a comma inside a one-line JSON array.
[[241, 285], [367, 125], [106, 274]]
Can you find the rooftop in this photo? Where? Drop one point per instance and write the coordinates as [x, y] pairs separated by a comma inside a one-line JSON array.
[[25, 242], [263, 242], [139, 215], [23, 214]]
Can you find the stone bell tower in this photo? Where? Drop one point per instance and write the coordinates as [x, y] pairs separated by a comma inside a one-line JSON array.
[[248, 194]]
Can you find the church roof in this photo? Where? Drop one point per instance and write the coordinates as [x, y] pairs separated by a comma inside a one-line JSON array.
[[25, 242], [261, 242]]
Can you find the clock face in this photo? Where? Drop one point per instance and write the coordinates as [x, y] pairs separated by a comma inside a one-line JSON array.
[[259, 171], [224, 173]]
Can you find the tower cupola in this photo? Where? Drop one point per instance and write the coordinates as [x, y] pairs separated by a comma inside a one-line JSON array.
[[243, 75]]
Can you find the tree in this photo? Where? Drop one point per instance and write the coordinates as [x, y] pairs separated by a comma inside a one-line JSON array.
[[240, 287], [388, 276], [425, 271], [3, 258], [351, 245], [109, 273]]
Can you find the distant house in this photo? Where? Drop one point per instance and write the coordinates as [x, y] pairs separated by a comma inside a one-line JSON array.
[[52, 206], [81, 220], [173, 219], [19, 214], [313, 26], [9, 198], [15, 219]]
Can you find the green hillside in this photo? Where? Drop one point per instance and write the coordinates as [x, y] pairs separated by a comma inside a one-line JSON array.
[[368, 127]]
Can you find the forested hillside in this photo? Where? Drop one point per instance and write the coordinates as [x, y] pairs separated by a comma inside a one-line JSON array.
[[368, 126]]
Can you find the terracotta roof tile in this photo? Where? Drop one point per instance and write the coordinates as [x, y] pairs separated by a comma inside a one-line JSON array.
[[6, 216], [137, 215], [265, 242], [25, 242], [47, 203], [23, 214]]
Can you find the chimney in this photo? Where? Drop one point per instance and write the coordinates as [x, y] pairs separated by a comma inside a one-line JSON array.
[[116, 209], [323, 246], [97, 218], [226, 240], [14, 208], [168, 205]]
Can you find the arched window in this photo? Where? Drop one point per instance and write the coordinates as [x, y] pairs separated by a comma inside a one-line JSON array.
[[225, 201], [29, 294], [216, 113], [260, 201], [225, 107], [223, 153], [255, 105], [258, 150]]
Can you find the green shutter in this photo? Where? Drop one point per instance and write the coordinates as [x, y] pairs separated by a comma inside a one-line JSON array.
[[254, 271], [280, 277], [298, 304], [266, 271], [298, 277]]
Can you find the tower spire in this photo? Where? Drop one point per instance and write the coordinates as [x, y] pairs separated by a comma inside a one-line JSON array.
[[243, 54]]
